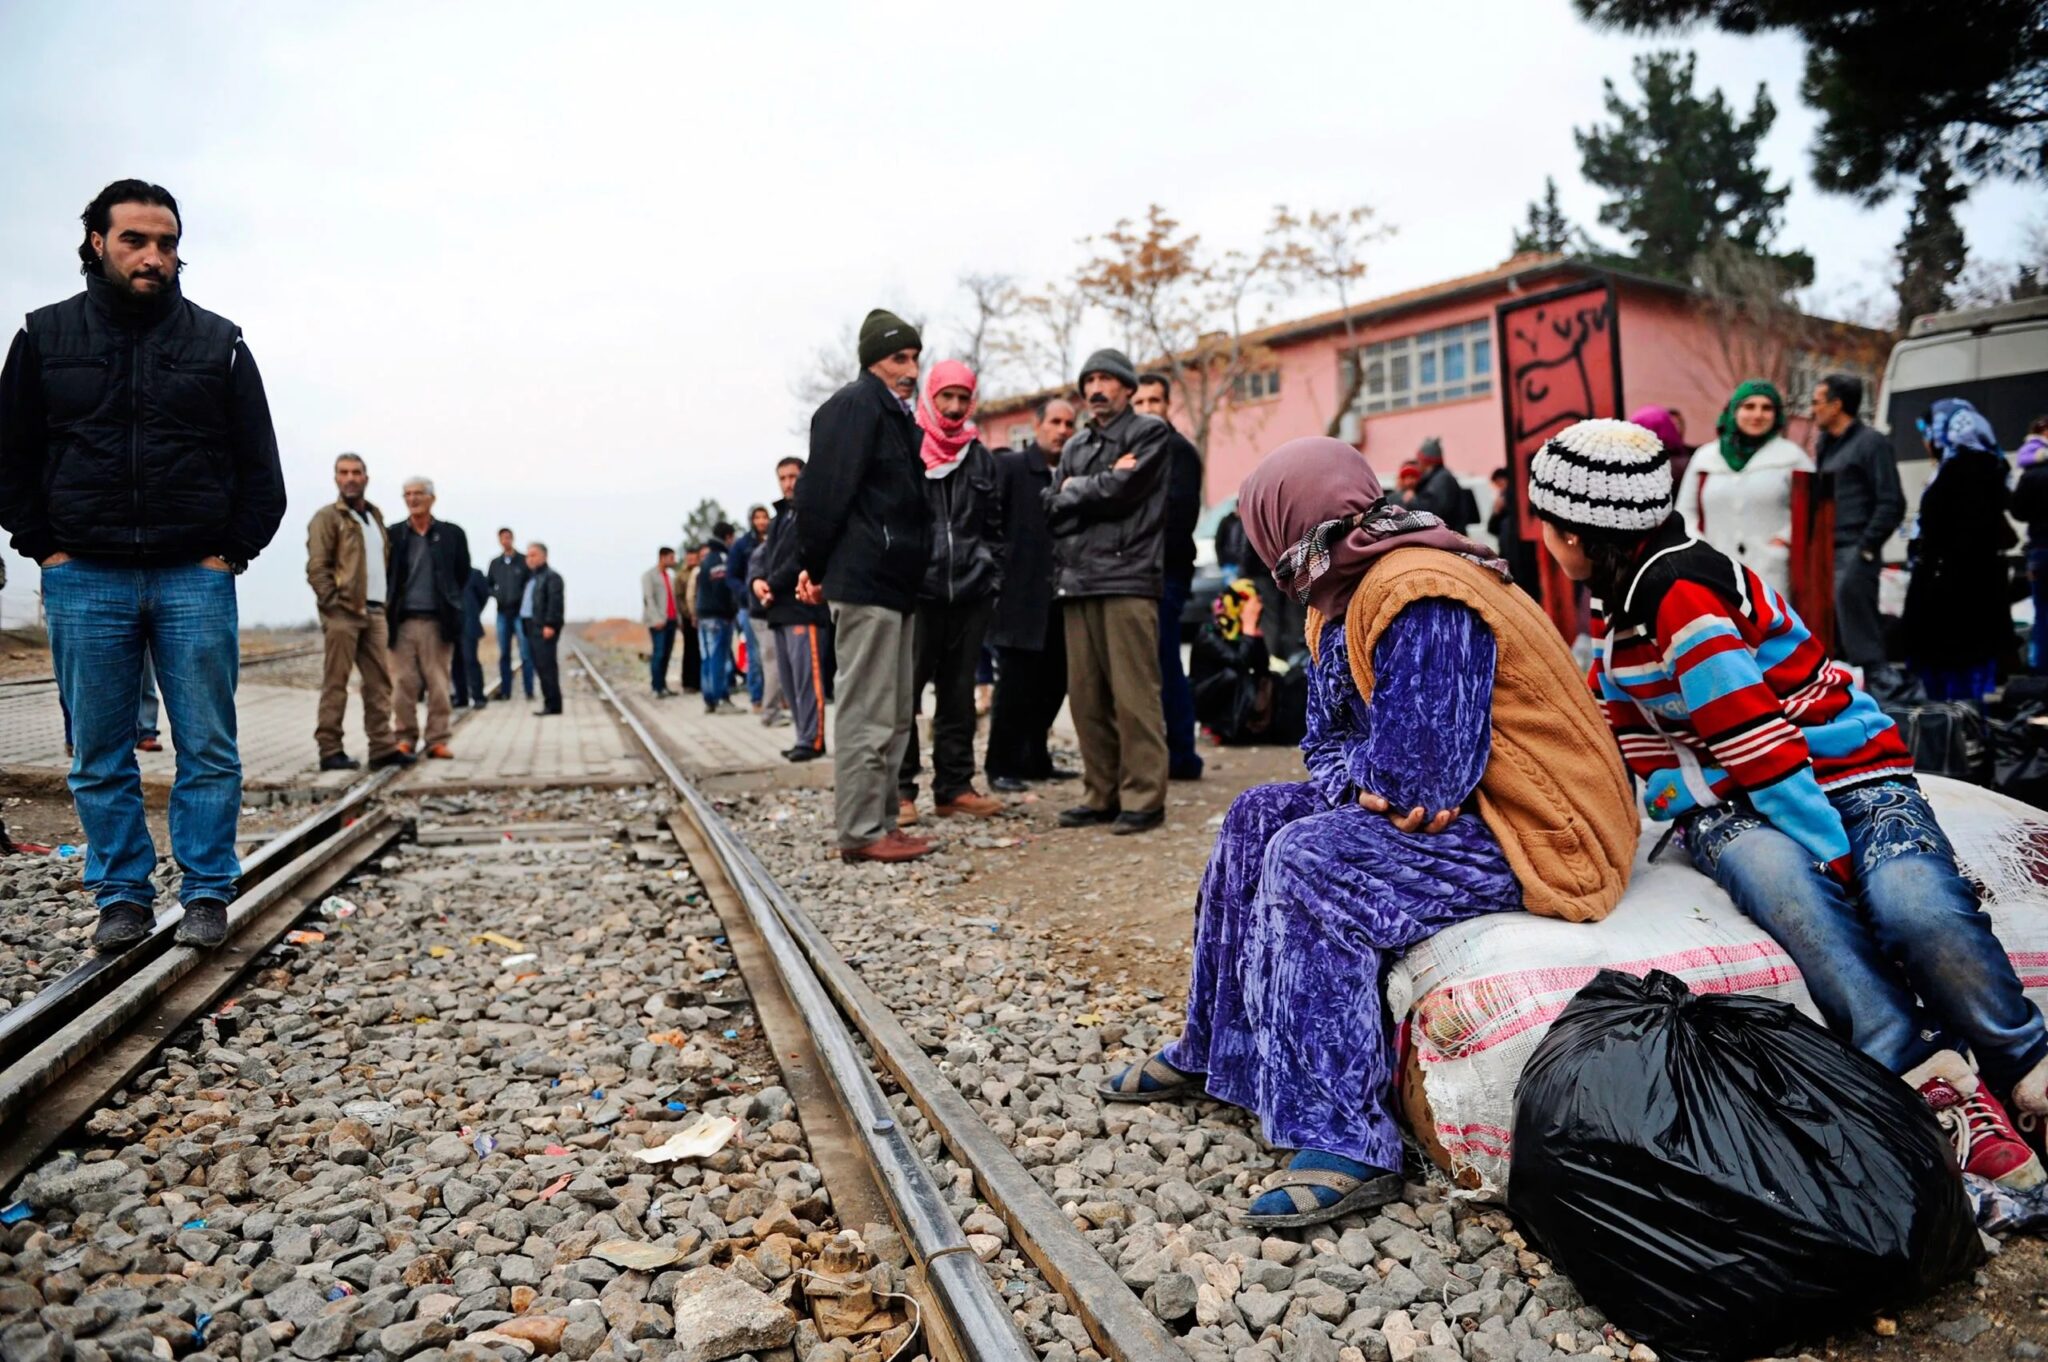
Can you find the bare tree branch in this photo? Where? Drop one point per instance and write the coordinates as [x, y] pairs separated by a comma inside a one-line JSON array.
[[1326, 251]]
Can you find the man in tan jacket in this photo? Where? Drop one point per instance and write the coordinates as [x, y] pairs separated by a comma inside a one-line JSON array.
[[347, 561]]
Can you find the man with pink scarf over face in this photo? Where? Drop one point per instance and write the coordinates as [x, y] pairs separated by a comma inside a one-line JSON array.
[[958, 597]]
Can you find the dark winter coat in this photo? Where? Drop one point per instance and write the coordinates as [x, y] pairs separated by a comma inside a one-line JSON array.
[[508, 582], [717, 593], [476, 594], [1443, 496], [864, 533], [1183, 506], [1238, 695], [448, 546], [1024, 608], [1109, 524], [967, 530], [550, 600], [1958, 611], [777, 566], [2030, 503], [136, 431], [1869, 503]]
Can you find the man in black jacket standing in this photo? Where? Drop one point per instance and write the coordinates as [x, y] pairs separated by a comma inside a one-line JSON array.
[[1030, 641], [429, 568], [958, 596], [1183, 512], [545, 610], [139, 469], [507, 574], [1107, 510], [1869, 506], [716, 603], [863, 534]]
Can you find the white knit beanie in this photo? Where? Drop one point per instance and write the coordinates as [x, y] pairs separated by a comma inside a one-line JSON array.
[[1602, 475]]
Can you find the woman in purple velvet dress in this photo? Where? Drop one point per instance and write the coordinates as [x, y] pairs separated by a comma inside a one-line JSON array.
[[1315, 887]]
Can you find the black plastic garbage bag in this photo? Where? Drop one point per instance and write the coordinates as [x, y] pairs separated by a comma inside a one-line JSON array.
[[1723, 1178]]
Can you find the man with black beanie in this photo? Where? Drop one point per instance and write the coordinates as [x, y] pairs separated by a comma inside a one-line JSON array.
[[863, 532], [1107, 512]]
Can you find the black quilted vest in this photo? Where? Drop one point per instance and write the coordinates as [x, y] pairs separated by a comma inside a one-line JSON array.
[[140, 461]]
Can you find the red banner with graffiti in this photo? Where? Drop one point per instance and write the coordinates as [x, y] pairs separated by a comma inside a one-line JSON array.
[[1560, 355]]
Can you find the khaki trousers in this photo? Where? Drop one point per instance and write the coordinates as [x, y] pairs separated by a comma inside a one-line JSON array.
[[419, 661], [1113, 691], [355, 641], [871, 727]]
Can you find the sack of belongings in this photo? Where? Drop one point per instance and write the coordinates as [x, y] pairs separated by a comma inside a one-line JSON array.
[[1722, 1178]]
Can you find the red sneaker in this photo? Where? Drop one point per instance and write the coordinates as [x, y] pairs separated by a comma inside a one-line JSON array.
[[1983, 1136]]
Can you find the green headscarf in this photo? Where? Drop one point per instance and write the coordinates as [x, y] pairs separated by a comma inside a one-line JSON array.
[[1736, 447]]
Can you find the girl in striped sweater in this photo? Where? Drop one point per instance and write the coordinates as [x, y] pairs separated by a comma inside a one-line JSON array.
[[1794, 792]]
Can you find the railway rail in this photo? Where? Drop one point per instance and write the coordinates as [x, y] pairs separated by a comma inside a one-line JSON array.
[[67, 1051], [23, 683]]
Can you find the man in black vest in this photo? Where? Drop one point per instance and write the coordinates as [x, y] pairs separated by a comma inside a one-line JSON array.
[[139, 469]]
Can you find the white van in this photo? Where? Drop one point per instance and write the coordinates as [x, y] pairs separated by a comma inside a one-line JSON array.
[[1996, 357]]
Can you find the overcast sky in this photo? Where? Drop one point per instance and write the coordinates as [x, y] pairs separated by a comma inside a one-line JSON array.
[[569, 266]]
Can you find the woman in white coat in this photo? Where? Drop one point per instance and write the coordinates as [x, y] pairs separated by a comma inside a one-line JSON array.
[[1739, 498]]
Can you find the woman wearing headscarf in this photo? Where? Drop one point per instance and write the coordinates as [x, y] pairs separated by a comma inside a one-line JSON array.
[[1958, 616], [1457, 767], [1794, 792], [1738, 495], [1660, 422]]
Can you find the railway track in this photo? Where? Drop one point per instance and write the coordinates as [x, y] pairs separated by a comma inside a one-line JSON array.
[[834, 999], [68, 1051], [25, 683]]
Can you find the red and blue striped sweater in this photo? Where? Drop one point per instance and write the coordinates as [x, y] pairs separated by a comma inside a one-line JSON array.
[[1716, 688]]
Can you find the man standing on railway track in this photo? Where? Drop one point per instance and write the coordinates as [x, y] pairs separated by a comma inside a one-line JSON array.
[[429, 567], [659, 613], [347, 557], [863, 532], [545, 611], [139, 469], [507, 575]]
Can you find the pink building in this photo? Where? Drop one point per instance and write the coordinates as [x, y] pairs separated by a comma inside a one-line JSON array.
[[1431, 370]]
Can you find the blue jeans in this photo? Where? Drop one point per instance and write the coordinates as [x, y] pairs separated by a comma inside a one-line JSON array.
[[714, 641], [102, 618], [662, 643], [508, 630], [757, 675], [1182, 761], [1904, 964]]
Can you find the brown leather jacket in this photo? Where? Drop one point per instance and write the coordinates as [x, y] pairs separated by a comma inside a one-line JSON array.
[[334, 558]]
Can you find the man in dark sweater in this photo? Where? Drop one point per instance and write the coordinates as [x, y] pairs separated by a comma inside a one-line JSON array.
[[429, 569], [139, 469], [1183, 511], [863, 537], [1869, 505], [507, 575]]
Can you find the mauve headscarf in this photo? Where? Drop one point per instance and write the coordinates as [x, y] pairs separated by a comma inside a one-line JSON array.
[[1315, 509]]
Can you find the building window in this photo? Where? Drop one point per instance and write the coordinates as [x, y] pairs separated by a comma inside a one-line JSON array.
[[1020, 435], [1256, 387], [1443, 365]]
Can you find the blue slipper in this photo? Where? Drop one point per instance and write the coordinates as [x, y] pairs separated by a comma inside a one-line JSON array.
[[1150, 1080], [1319, 1187]]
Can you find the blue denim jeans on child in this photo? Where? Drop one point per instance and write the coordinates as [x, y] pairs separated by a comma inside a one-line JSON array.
[[714, 642], [102, 617], [1904, 964]]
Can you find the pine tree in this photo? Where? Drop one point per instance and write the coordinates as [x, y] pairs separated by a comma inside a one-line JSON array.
[[1683, 172], [697, 525], [1932, 250], [1547, 229]]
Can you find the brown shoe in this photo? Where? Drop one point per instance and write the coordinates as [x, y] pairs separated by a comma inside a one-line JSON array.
[[906, 814], [969, 804], [440, 752], [888, 848]]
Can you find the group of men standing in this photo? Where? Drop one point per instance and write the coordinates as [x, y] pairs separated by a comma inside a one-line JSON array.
[[1071, 558], [403, 607]]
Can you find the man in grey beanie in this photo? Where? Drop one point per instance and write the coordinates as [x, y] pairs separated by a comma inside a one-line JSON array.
[[1107, 512]]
